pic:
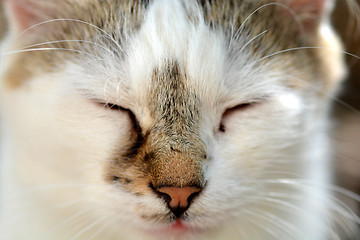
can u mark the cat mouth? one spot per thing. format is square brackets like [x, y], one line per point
[176, 229]
[179, 226]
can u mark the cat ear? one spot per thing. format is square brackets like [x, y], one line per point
[22, 14]
[309, 13]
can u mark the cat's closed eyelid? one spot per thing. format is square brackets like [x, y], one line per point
[114, 107]
[231, 110]
[118, 108]
[239, 107]
[110, 106]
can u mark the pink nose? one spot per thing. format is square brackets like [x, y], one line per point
[178, 199]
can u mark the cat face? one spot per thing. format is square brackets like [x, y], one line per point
[171, 117]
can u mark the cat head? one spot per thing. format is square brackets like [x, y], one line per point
[169, 110]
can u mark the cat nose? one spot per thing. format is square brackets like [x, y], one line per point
[178, 198]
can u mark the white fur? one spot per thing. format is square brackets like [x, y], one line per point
[266, 176]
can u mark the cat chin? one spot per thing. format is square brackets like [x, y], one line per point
[177, 229]
[191, 230]
[187, 228]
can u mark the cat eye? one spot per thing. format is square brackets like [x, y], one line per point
[118, 108]
[228, 112]
[114, 107]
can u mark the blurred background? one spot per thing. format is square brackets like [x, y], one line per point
[346, 110]
[347, 107]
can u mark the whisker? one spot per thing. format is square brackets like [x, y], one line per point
[285, 206]
[335, 208]
[337, 205]
[81, 232]
[66, 222]
[101, 229]
[51, 49]
[36, 213]
[306, 48]
[307, 183]
[271, 225]
[253, 39]
[73, 20]
[285, 227]
[296, 17]
[42, 188]
[105, 88]
[64, 41]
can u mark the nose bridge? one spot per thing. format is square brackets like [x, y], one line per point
[176, 163]
[175, 151]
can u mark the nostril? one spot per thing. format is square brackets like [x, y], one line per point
[192, 196]
[177, 198]
[164, 196]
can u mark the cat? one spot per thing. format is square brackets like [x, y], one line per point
[169, 119]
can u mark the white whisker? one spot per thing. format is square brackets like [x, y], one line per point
[65, 41]
[87, 228]
[42, 188]
[295, 16]
[286, 227]
[306, 48]
[37, 213]
[73, 20]
[51, 49]
[303, 182]
[101, 229]
[253, 39]
[271, 226]
[66, 222]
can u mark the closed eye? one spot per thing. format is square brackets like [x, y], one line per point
[114, 107]
[117, 108]
[230, 111]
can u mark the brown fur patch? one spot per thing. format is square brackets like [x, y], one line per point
[285, 23]
[109, 23]
[177, 152]
[118, 20]
[269, 27]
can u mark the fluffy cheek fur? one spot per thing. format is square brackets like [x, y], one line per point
[65, 145]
